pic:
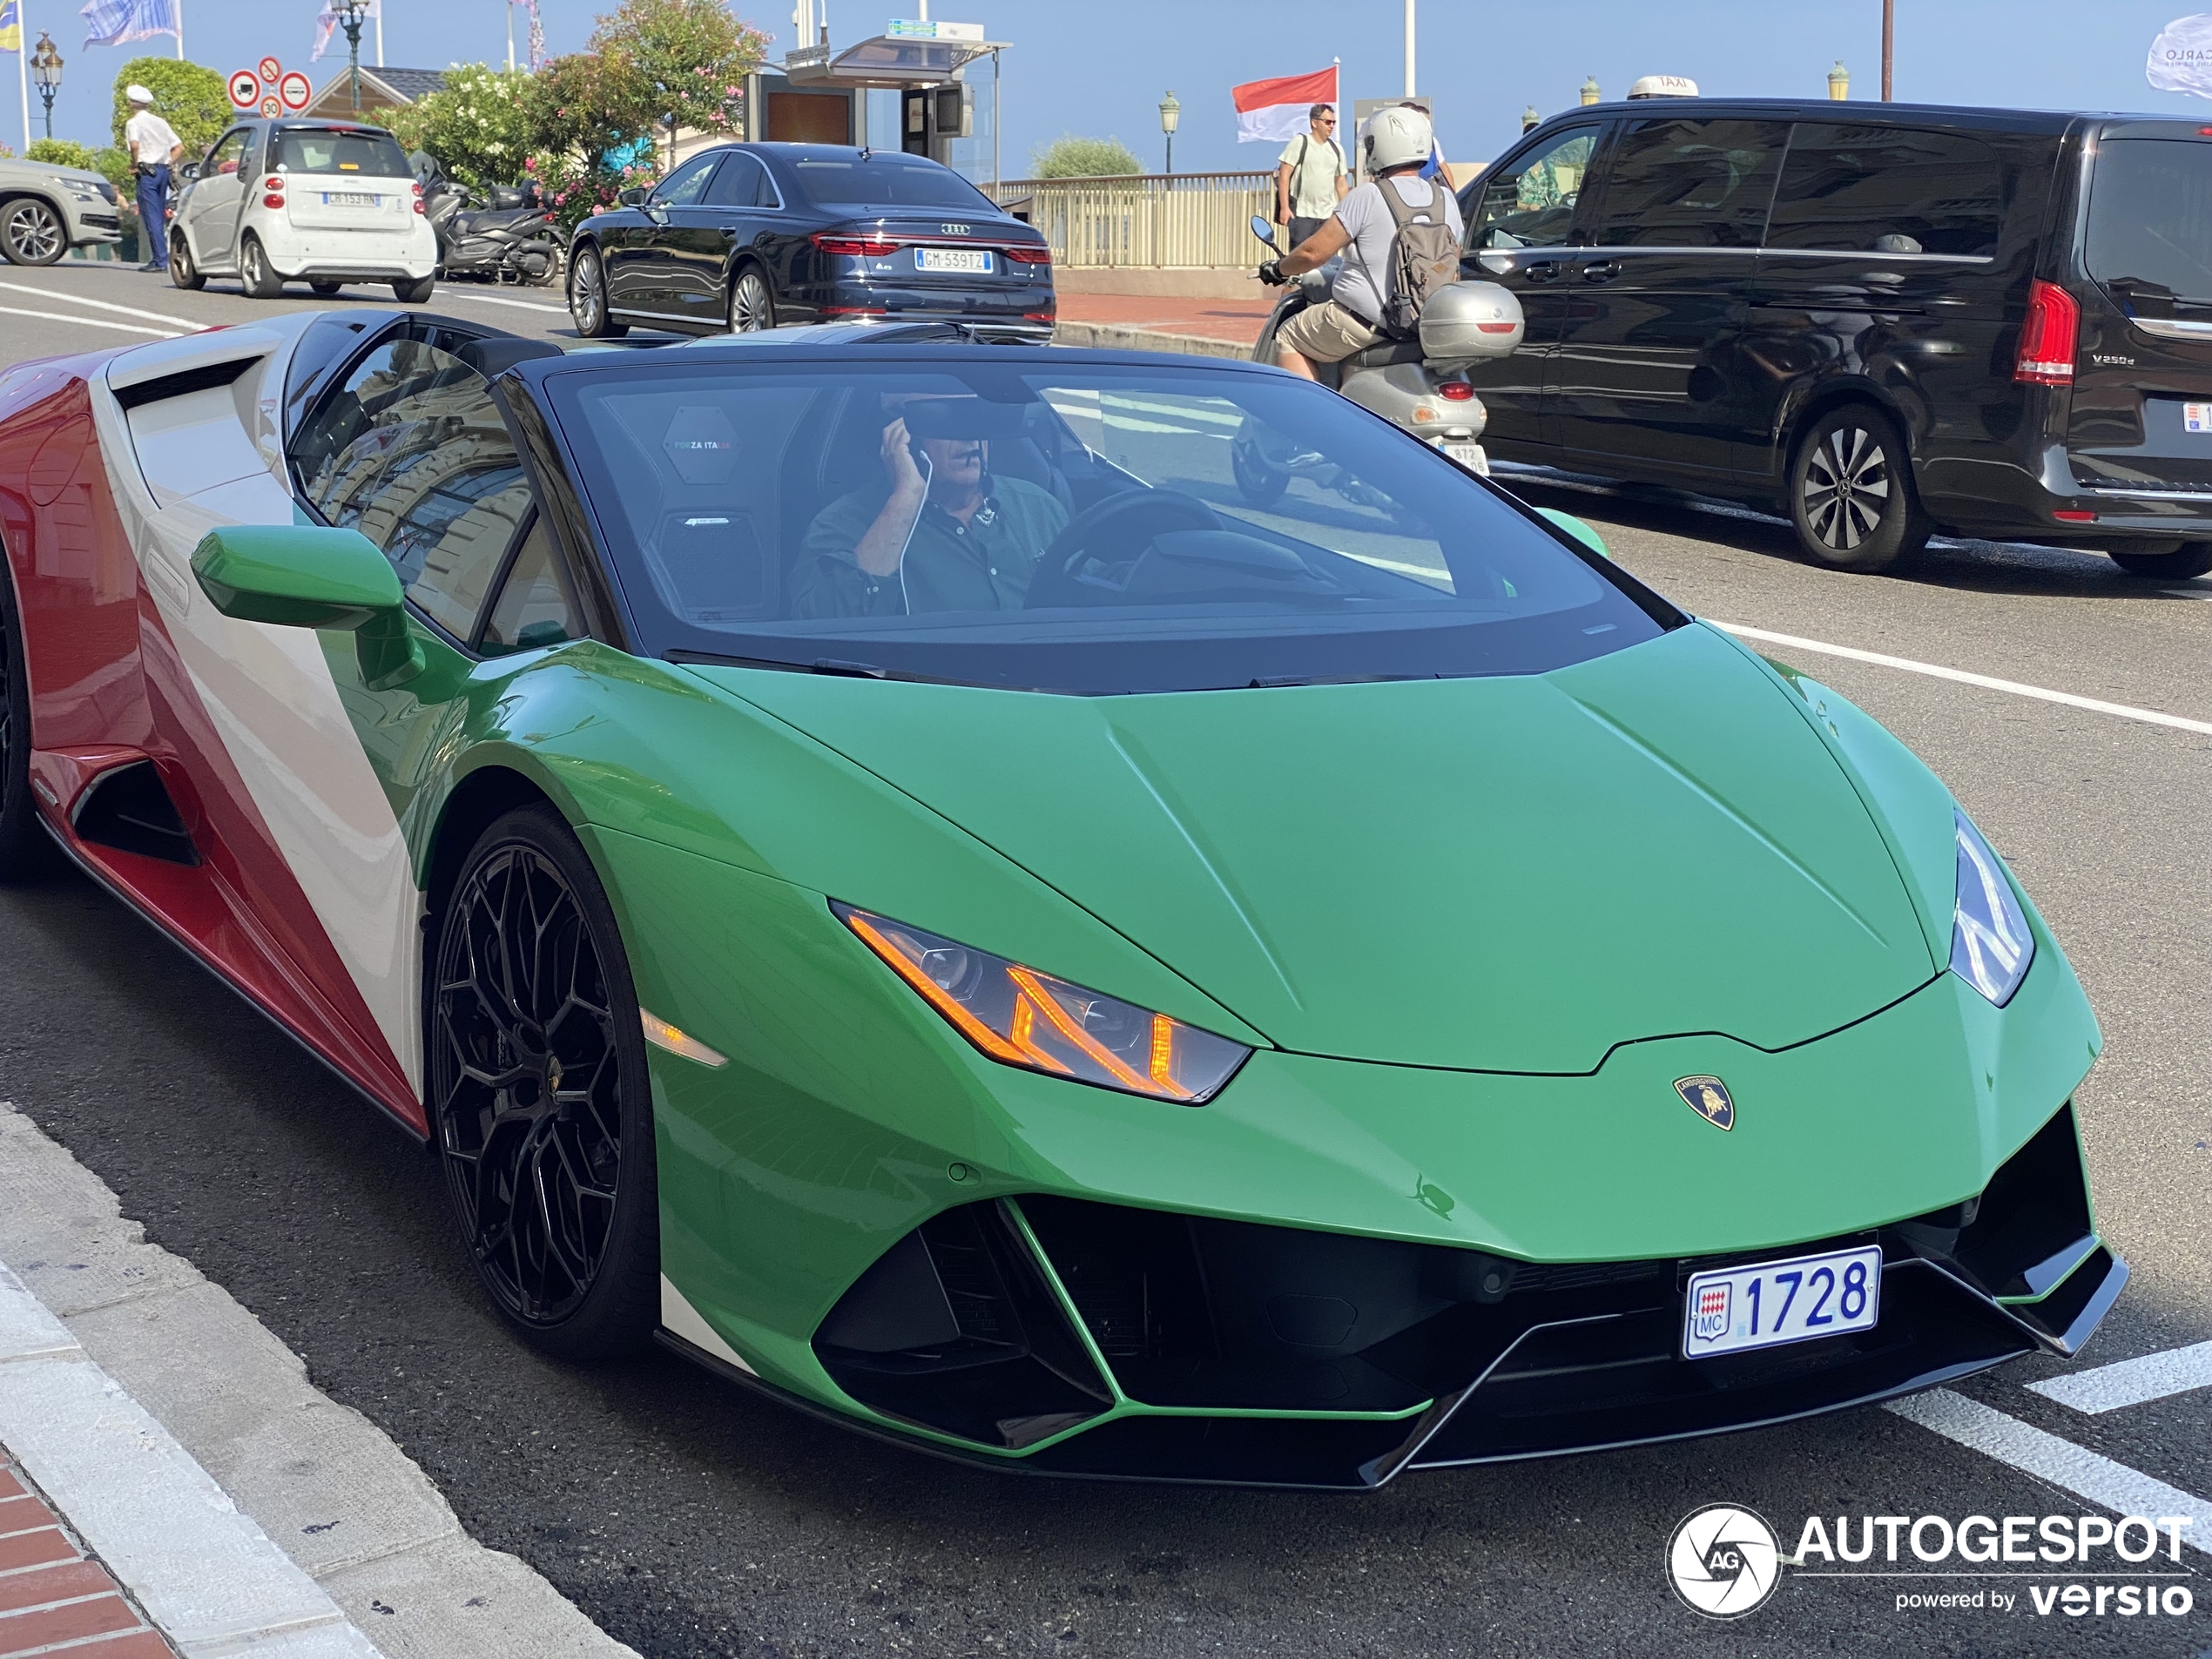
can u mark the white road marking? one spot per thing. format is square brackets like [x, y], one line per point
[452, 292]
[2153, 717]
[90, 323]
[67, 298]
[2084, 1473]
[205, 1574]
[2130, 1382]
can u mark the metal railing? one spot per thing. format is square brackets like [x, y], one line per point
[1150, 219]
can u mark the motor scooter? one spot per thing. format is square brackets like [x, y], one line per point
[512, 239]
[1420, 386]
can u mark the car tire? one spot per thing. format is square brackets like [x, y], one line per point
[416, 292]
[256, 273]
[752, 307]
[1850, 493]
[552, 1180]
[25, 850]
[588, 297]
[32, 232]
[326, 289]
[183, 270]
[2193, 559]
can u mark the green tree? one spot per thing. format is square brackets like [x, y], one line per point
[478, 125]
[1070, 157]
[60, 152]
[191, 97]
[676, 63]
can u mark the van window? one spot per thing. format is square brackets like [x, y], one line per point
[365, 151]
[2150, 225]
[1691, 184]
[1532, 205]
[1889, 190]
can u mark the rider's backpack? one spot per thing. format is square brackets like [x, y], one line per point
[1424, 257]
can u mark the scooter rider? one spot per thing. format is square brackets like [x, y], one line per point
[1395, 146]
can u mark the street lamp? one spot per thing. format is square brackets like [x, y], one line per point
[1839, 81]
[1530, 120]
[351, 13]
[1590, 92]
[1171, 113]
[46, 69]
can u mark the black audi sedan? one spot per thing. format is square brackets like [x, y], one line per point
[747, 236]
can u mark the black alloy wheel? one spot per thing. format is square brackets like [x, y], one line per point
[32, 232]
[2190, 559]
[183, 270]
[538, 1095]
[1850, 493]
[751, 307]
[24, 850]
[588, 297]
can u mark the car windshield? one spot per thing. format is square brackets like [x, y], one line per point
[343, 149]
[2150, 222]
[887, 181]
[1067, 526]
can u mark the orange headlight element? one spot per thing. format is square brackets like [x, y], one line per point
[1020, 1016]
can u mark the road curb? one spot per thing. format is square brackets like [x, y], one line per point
[1122, 337]
[115, 1353]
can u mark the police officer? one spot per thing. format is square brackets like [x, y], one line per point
[154, 150]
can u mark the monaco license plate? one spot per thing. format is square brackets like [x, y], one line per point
[1764, 1304]
[348, 199]
[1469, 456]
[2196, 417]
[970, 260]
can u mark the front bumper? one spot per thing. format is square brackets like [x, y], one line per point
[1093, 1340]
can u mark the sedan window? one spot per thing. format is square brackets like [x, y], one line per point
[684, 186]
[224, 159]
[743, 182]
[887, 181]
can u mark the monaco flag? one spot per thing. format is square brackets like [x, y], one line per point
[1276, 109]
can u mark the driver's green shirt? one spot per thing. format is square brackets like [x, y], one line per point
[982, 565]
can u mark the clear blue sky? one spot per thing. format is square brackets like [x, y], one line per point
[1101, 68]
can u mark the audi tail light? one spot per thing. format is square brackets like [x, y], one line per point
[868, 246]
[2048, 335]
[1022, 253]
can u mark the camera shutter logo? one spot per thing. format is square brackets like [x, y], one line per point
[1724, 1561]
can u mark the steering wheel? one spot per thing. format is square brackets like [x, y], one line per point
[1132, 516]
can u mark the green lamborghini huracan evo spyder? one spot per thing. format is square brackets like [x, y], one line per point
[1099, 913]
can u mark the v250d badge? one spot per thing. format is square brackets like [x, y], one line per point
[817, 834]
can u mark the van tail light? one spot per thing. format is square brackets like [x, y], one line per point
[1022, 254]
[2048, 337]
[871, 246]
[271, 201]
[274, 181]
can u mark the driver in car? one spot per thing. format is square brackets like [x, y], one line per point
[945, 536]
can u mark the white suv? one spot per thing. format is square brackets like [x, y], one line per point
[46, 211]
[321, 202]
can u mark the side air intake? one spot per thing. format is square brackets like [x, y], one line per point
[129, 810]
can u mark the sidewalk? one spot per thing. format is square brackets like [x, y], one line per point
[53, 1594]
[1203, 327]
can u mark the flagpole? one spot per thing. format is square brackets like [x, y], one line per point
[22, 72]
[180, 30]
[380, 34]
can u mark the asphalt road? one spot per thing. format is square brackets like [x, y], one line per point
[689, 1519]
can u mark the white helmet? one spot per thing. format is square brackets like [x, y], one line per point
[137, 94]
[1395, 136]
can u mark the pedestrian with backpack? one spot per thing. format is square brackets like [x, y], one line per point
[1311, 177]
[1401, 233]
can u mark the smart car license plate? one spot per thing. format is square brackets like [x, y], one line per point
[2196, 417]
[1470, 456]
[1768, 1304]
[348, 199]
[971, 260]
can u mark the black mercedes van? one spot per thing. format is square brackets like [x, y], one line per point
[1786, 303]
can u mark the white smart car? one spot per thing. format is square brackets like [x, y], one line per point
[321, 202]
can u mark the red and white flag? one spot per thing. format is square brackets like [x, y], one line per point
[1275, 111]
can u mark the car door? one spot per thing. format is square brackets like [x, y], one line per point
[1650, 370]
[1523, 218]
[643, 277]
[730, 222]
[213, 208]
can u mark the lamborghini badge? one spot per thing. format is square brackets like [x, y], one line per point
[1708, 1098]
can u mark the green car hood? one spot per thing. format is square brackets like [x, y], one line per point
[1501, 875]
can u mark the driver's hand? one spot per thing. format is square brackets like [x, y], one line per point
[898, 462]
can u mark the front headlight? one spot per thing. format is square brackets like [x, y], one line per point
[1021, 1017]
[1990, 945]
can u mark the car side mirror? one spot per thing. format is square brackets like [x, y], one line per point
[633, 197]
[189, 171]
[1579, 530]
[303, 575]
